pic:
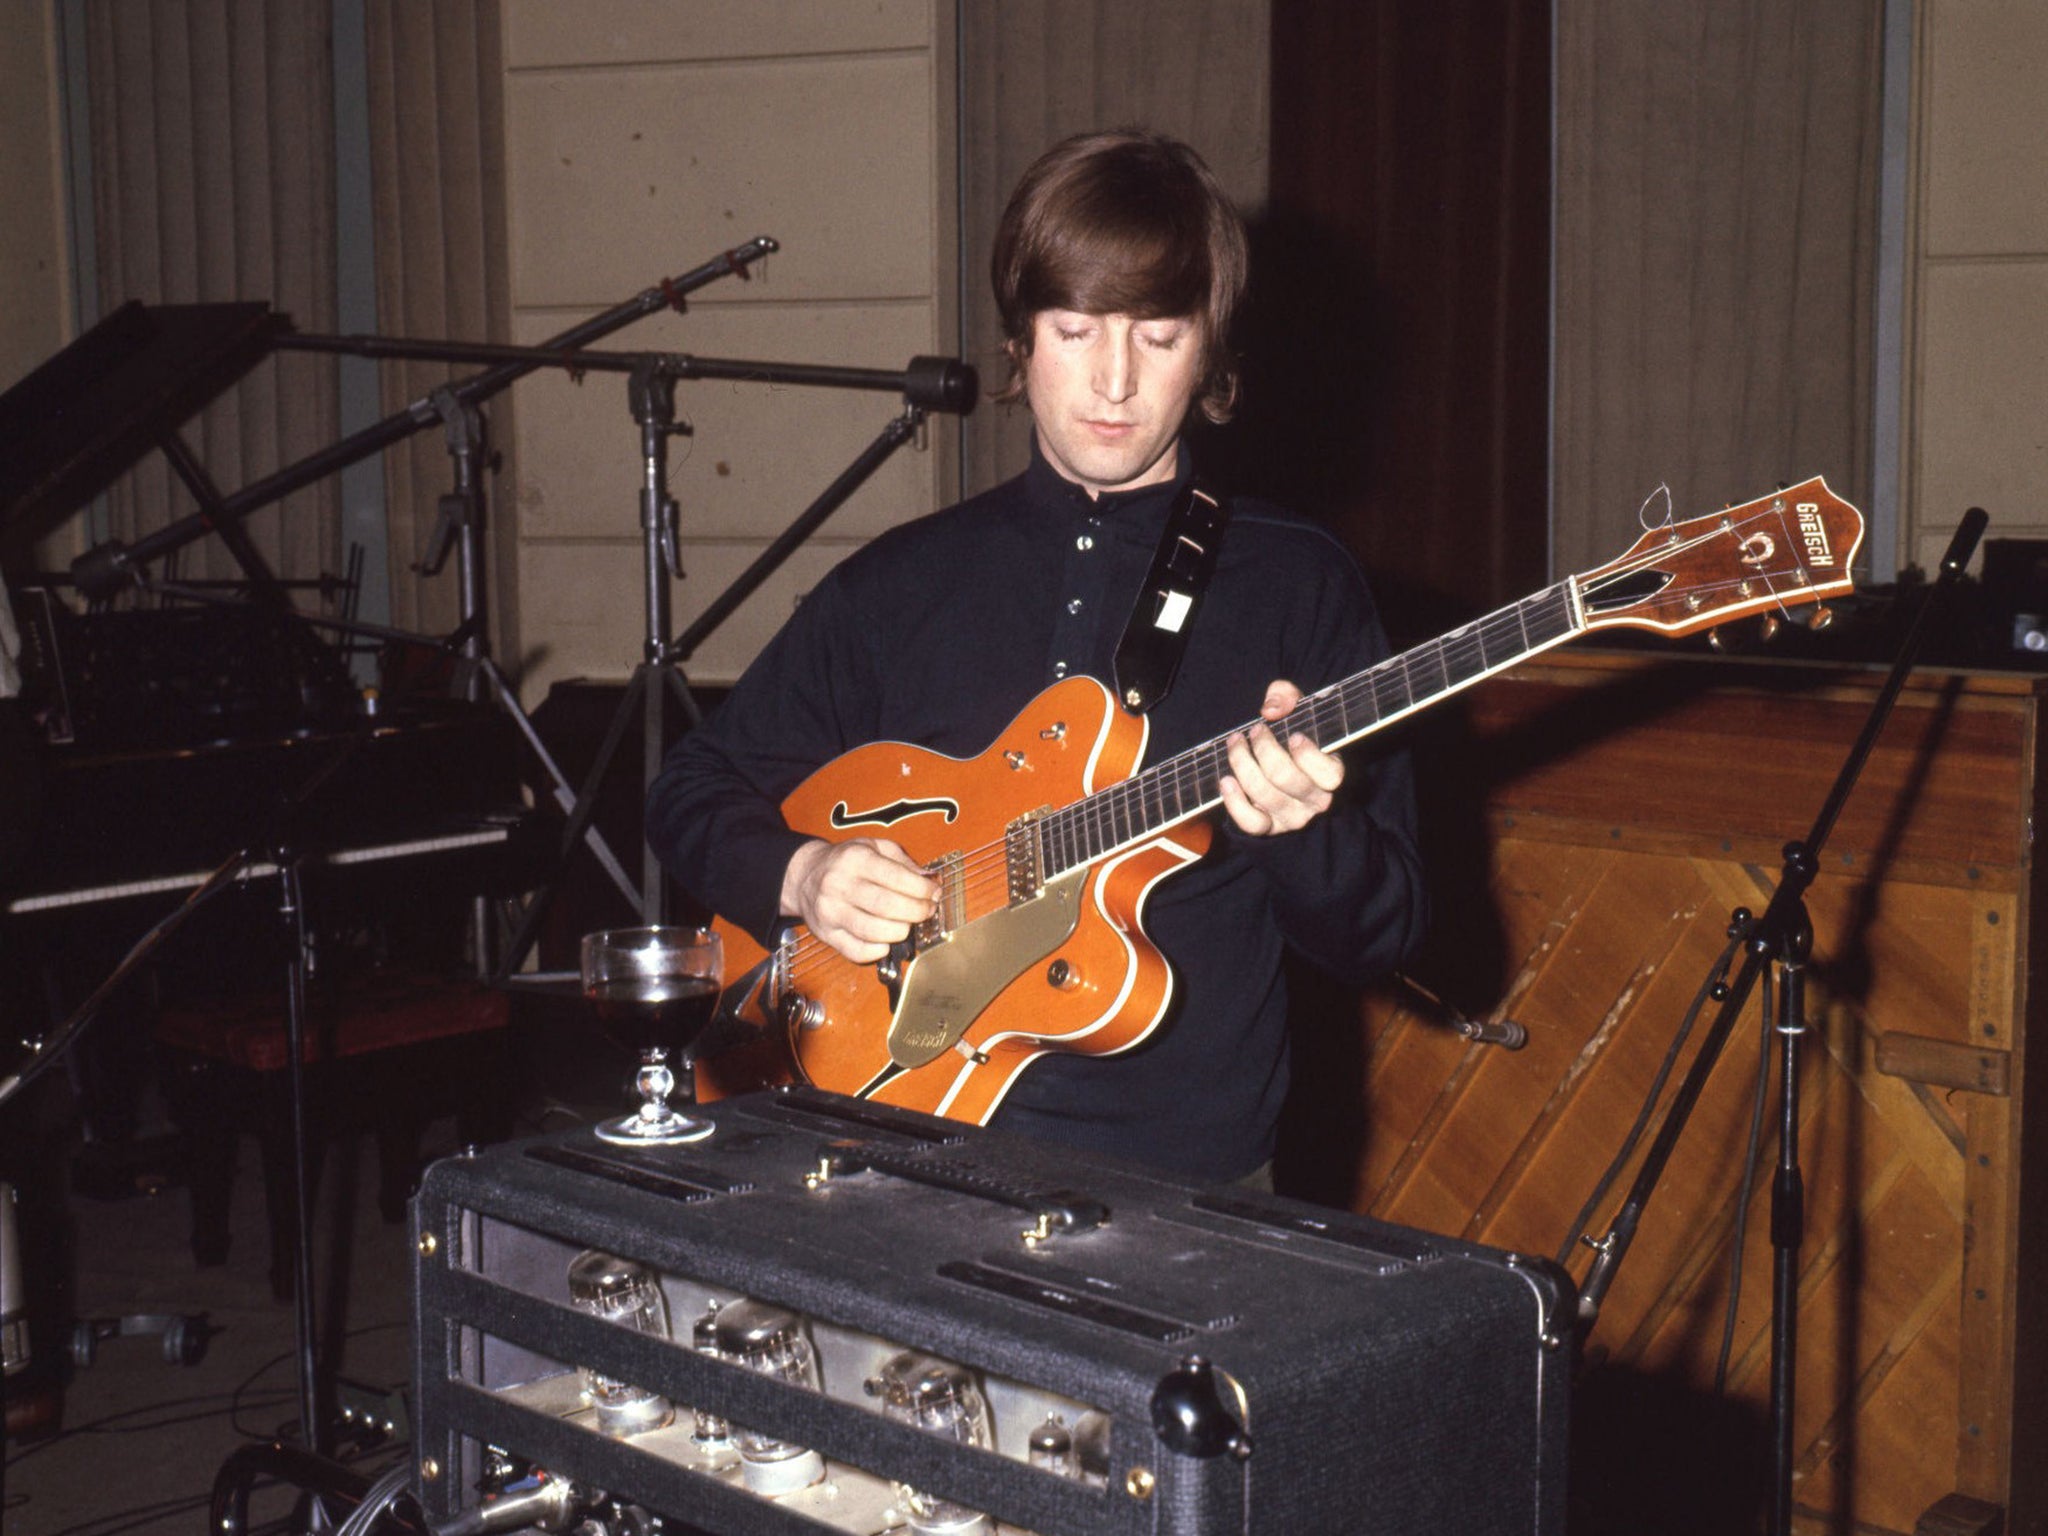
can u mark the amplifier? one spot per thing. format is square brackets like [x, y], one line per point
[835, 1315]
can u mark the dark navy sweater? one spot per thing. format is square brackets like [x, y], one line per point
[939, 632]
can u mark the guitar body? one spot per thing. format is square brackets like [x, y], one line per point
[1046, 845]
[1066, 969]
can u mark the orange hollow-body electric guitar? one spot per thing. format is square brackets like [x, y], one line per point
[1045, 845]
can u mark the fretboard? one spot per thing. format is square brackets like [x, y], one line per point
[1186, 785]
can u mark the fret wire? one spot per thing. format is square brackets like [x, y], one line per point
[1187, 783]
[1440, 656]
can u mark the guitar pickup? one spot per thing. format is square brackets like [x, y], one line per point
[949, 912]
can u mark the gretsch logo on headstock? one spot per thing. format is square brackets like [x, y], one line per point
[1814, 534]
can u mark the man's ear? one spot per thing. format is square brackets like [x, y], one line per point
[1018, 352]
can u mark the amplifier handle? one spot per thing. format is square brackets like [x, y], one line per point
[1051, 1210]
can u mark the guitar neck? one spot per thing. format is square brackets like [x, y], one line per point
[1186, 785]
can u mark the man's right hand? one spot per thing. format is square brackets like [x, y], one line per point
[860, 897]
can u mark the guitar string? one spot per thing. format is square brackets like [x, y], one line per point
[1140, 806]
[1083, 821]
[1083, 826]
[1137, 802]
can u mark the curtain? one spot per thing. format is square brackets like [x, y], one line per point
[211, 124]
[438, 176]
[1397, 376]
[1716, 239]
[1035, 71]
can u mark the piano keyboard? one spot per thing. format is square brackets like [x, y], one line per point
[259, 870]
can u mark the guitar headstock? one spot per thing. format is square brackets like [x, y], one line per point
[1780, 551]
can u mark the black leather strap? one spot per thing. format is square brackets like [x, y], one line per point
[1156, 636]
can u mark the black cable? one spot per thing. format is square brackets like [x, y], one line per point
[132, 1519]
[1749, 1166]
[236, 1400]
[117, 1522]
[1711, 989]
[276, 1360]
[100, 1425]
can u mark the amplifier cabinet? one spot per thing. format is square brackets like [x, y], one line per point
[1140, 1355]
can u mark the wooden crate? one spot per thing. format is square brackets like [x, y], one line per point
[1594, 819]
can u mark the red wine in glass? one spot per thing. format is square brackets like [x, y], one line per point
[667, 1014]
[653, 990]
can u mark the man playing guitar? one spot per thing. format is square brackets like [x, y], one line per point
[1117, 267]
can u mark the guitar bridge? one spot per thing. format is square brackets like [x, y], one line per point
[1021, 856]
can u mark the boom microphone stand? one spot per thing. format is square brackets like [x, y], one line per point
[106, 568]
[1782, 936]
[926, 384]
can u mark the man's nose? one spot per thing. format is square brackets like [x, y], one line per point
[1116, 369]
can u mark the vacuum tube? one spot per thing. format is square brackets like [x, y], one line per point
[941, 1399]
[628, 1293]
[772, 1341]
[712, 1435]
[1091, 1448]
[1052, 1446]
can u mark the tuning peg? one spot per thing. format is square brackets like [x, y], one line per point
[1767, 627]
[1714, 640]
[1823, 616]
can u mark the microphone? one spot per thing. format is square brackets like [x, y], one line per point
[550, 1503]
[941, 384]
[929, 383]
[1505, 1033]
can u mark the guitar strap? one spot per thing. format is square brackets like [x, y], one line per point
[1156, 636]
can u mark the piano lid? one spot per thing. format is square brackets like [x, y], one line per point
[75, 424]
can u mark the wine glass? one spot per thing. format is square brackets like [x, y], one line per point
[653, 990]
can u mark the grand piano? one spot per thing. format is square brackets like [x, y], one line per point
[157, 739]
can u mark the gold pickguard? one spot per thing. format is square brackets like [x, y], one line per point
[946, 988]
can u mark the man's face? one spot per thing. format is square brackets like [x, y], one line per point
[1109, 394]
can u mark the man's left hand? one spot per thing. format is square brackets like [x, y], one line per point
[1274, 788]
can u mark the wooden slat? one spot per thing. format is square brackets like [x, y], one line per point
[1939, 1064]
[1982, 1428]
[1618, 810]
[1665, 753]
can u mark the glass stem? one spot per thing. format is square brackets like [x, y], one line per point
[656, 1084]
